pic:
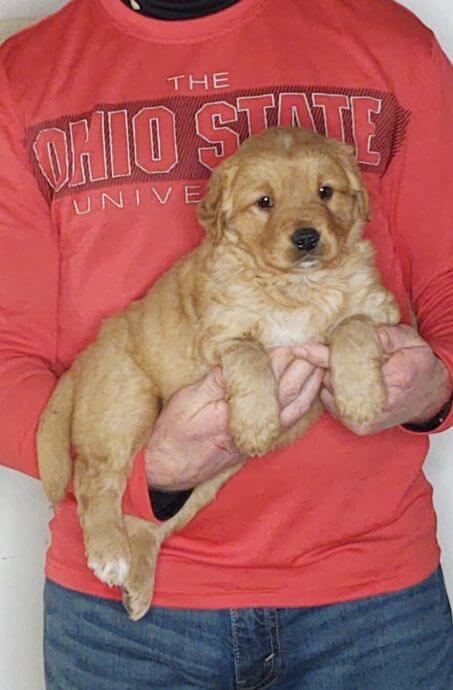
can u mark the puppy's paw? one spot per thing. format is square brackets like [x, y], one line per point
[136, 602]
[145, 539]
[112, 569]
[254, 423]
[360, 399]
[110, 560]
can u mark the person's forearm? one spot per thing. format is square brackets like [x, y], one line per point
[439, 407]
[25, 386]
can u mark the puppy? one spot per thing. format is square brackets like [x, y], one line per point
[283, 263]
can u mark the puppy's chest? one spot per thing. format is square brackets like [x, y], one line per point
[284, 328]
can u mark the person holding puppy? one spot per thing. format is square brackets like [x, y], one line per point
[318, 566]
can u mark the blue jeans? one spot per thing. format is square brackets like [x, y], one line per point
[399, 641]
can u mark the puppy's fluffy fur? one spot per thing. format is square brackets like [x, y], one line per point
[245, 289]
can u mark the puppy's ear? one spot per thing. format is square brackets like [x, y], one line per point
[215, 209]
[360, 194]
[351, 168]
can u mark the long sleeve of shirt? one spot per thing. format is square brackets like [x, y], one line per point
[422, 204]
[29, 267]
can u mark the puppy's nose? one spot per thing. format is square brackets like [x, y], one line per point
[305, 239]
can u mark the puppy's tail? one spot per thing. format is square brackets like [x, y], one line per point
[54, 440]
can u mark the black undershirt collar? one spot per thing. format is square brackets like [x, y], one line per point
[178, 9]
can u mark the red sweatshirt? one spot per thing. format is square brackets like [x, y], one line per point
[110, 124]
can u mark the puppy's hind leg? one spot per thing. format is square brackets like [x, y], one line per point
[99, 493]
[145, 540]
[116, 410]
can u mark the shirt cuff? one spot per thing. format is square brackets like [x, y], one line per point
[166, 504]
[432, 424]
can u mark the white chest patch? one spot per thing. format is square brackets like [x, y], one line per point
[288, 329]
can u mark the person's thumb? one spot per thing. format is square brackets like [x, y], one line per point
[210, 388]
[395, 338]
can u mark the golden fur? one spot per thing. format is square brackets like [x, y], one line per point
[245, 289]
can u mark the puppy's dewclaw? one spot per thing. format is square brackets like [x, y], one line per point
[283, 263]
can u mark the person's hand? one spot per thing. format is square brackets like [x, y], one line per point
[190, 442]
[417, 382]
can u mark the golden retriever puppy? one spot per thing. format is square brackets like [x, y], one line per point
[283, 263]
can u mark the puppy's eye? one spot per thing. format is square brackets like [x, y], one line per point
[265, 202]
[325, 192]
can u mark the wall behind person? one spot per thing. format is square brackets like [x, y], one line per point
[23, 510]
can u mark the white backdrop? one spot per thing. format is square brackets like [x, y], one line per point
[23, 510]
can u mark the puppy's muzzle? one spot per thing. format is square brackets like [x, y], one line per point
[305, 239]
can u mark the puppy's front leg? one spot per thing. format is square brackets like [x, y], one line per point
[252, 395]
[356, 360]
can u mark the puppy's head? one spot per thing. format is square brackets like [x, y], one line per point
[291, 198]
